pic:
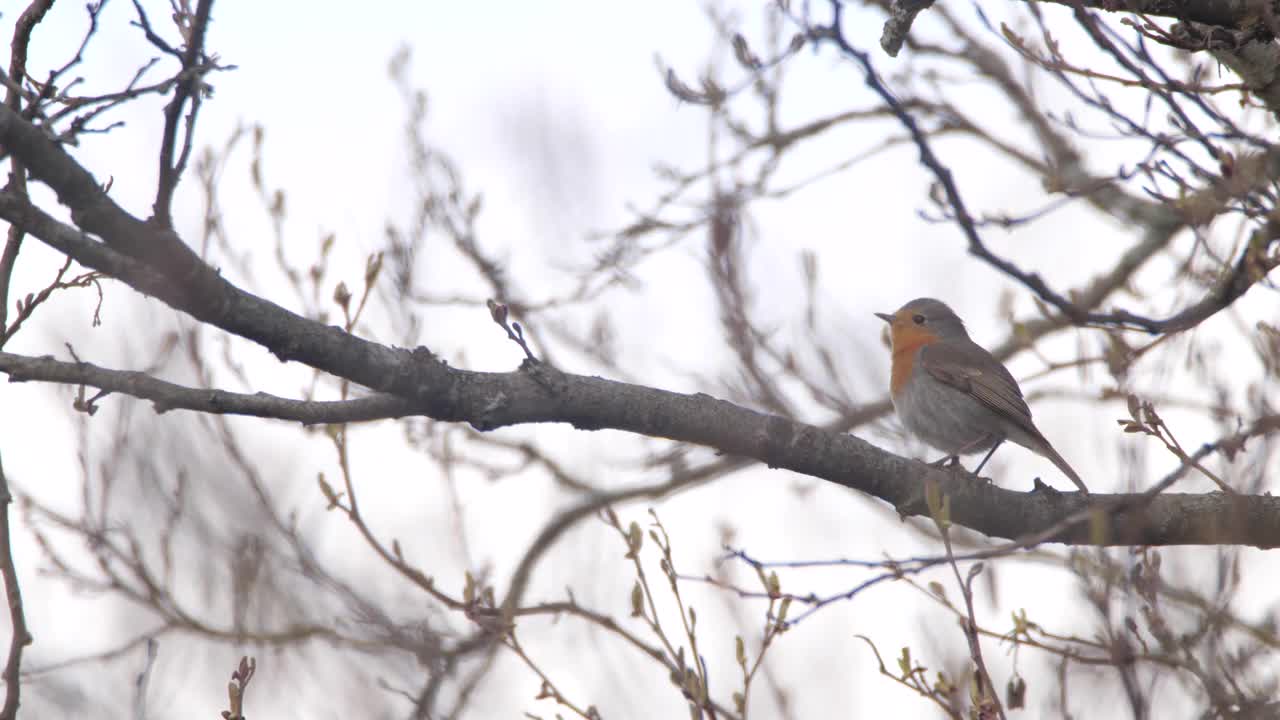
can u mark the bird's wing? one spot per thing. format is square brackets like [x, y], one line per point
[968, 368]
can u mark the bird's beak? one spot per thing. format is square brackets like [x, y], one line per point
[884, 316]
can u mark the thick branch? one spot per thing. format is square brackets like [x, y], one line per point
[1230, 14]
[91, 208]
[901, 14]
[539, 393]
[1258, 64]
[1239, 14]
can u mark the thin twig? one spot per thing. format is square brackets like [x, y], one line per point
[190, 87]
[143, 680]
[166, 396]
[21, 636]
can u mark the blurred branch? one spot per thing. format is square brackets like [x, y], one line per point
[726, 264]
[143, 680]
[21, 636]
[123, 649]
[392, 554]
[125, 571]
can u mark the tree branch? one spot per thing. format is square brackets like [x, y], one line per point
[21, 636]
[91, 208]
[166, 396]
[537, 393]
[901, 14]
[1258, 64]
[22, 30]
[188, 88]
[540, 393]
[1229, 14]
[1254, 263]
[1240, 14]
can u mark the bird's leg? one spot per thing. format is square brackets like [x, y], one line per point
[953, 460]
[990, 452]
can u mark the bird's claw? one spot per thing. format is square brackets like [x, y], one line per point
[946, 462]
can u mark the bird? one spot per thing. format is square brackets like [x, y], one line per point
[953, 394]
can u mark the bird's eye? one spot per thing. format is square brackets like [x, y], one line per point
[918, 319]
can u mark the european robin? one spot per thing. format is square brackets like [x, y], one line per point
[952, 393]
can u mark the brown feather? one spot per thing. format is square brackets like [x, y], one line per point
[968, 368]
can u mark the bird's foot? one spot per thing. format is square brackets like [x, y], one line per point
[947, 461]
[952, 464]
[1039, 486]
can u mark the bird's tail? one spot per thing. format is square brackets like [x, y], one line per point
[1047, 450]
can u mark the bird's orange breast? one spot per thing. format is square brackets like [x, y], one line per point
[906, 341]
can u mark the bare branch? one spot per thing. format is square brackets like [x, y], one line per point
[901, 14]
[190, 87]
[1256, 63]
[143, 680]
[1224, 13]
[1252, 266]
[21, 636]
[166, 396]
[542, 394]
[27, 22]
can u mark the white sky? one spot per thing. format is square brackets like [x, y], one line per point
[512, 87]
